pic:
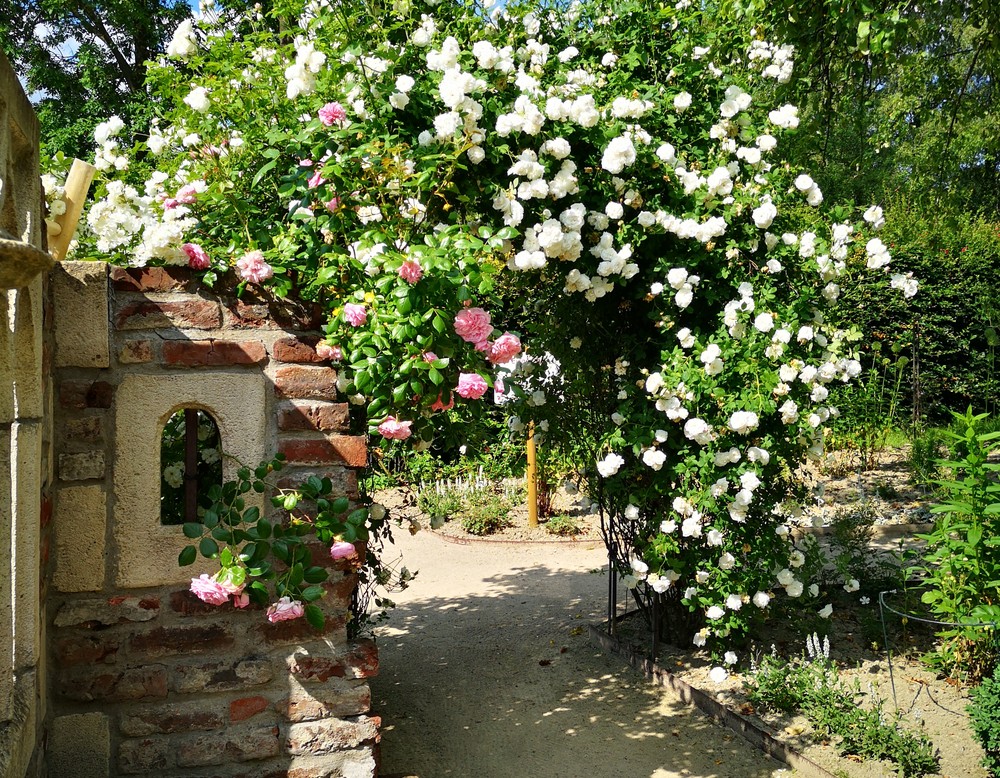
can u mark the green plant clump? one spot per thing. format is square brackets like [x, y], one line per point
[486, 517]
[984, 715]
[961, 566]
[440, 506]
[563, 525]
[812, 687]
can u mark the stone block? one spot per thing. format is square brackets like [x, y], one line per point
[145, 756]
[350, 450]
[170, 641]
[222, 676]
[328, 735]
[153, 279]
[89, 429]
[146, 549]
[135, 352]
[244, 708]
[86, 466]
[334, 698]
[137, 683]
[101, 612]
[356, 763]
[196, 313]
[212, 353]
[80, 308]
[79, 526]
[308, 416]
[79, 745]
[300, 350]
[360, 660]
[81, 394]
[297, 382]
[86, 649]
[162, 719]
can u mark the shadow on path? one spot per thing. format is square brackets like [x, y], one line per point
[486, 672]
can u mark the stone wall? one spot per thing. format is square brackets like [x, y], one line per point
[25, 432]
[145, 678]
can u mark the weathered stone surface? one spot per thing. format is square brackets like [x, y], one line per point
[144, 757]
[359, 661]
[159, 314]
[137, 683]
[153, 279]
[135, 352]
[247, 707]
[79, 745]
[222, 676]
[89, 429]
[327, 735]
[86, 649]
[305, 383]
[77, 395]
[169, 641]
[234, 745]
[82, 467]
[177, 717]
[297, 350]
[321, 701]
[105, 612]
[80, 301]
[308, 416]
[79, 525]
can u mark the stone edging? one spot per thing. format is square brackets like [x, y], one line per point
[683, 691]
[472, 539]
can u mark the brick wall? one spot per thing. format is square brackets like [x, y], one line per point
[146, 679]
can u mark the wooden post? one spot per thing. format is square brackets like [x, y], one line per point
[77, 185]
[532, 476]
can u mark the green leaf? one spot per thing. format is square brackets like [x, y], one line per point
[187, 556]
[209, 548]
[315, 575]
[312, 593]
[192, 530]
[315, 617]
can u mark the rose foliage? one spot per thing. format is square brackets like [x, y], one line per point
[615, 168]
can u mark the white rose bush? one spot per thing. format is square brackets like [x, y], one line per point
[606, 180]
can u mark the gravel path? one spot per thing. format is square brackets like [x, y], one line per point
[486, 672]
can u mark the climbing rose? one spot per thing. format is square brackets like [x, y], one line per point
[285, 609]
[326, 351]
[341, 549]
[355, 314]
[473, 325]
[471, 386]
[410, 271]
[316, 179]
[504, 349]
[253, 268]
[209, 590]
[331, 113]
[391, 429]
[197, 258]
[332, 204]
[438, 404]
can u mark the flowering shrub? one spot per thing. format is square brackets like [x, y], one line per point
[615, 167]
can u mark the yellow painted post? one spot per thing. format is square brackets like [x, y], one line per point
[77, 185]
[532, 476]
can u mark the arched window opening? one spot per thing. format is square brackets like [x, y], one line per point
[190, 465]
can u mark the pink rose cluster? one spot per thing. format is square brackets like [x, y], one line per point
[355, 314]
[331, 113]
[471, 386]
[285, 609]
[216, 592]
[325, 351]
[253, 268]
[410, 271]
[341, 549]
[197, 257]
[473, 326]
[393, 429]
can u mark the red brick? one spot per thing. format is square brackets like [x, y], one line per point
[296, 382]
[148, 314]
[222, 676]
[153, 279]
[350, 450]
[142, 757]
[135, 684]
[166, 641]
[321, 701]
[328, 735]
[135, 352]
[300, 631]
[210, 353]
[101, 612]
[234, 745]
[247, 707]
[325, 417]
[166, 719]
[86, 649]
[345, 481]
[298, 350]
[45, 513]
[360, 661]
[86, 394]
[186, 604]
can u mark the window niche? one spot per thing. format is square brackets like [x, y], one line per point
[190, 465]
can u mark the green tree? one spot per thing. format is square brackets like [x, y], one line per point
[86, 59]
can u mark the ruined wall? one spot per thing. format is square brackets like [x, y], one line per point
[145, 678]
[25, 432]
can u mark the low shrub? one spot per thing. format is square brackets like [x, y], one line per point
[487, 516]
[563, 525]
[984, 715]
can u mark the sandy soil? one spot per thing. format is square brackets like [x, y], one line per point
[486, 672]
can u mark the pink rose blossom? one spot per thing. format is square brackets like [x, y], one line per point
[391, 429]
[253, 268]
[473, 325]
[305, 163]
[207, 589]
[170, 202]
[504, 349]
[332, 204]
[325, 351]
[471, 386]
[316, 179]
[285, 609]
[241, 600]
[355, 314]
[341, 549]
[438, 404]
[197, 258]
[187, 194]
[331, 113]
[430, 356]
[410, 271]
